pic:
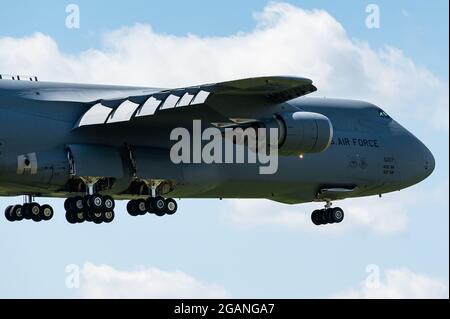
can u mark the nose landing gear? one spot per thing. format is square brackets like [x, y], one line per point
[327, 215]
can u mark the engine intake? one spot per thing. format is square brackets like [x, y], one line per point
[302, 132]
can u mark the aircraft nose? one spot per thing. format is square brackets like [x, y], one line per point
[417, 161]
[430, 163]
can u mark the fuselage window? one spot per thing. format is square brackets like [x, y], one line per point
[383, 114]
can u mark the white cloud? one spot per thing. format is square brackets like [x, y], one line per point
[382, 216]
[285, 40]
[106, 282]
[400, 283]
[365, 214]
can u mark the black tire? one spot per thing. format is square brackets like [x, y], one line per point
[149, 203]
[46, 212]
[171, 206]
[337, 215]
[108, 216]
[26, 211]
[141, 207]
[109, 203]
[324, 216]
[16, 212]
[86, 201]
[89, 216]
[329, 216]
[97, 217]
[70, 217]
[34, 210]
[80, 217]
[76, 204]
[316, 217]
[159, 204]
[96, 202]
[8, 215]
[68, 204]
[132, 208]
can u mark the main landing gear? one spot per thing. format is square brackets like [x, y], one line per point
[327, 215]
[152, 205]
[29, 210]
[90, 208]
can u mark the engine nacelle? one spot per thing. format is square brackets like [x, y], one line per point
[302, 132]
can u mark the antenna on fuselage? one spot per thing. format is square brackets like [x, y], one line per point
[18, 77]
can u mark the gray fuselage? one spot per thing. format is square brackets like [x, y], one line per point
[370, 152]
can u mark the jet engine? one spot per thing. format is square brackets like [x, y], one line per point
[302, 132]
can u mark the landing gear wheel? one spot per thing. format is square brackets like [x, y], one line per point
[89, 216]
[171, 206]
[336, 215]
[150, 205]
[16, 212]
[79, 217]
[70, 217]
[34, 210]
[46, 212]
[37, 218]
[108, 216]
[324, 216]
[132, 208]
[8, 215]
[159, 204]
[25, 211]
[76, 204]
[316, 217]
[109, 203]
[86, 201]
[68, 204]
[97, 217]
[141, 207]
[96, 202]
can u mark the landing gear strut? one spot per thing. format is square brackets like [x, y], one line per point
[327, 215]
[29, 210]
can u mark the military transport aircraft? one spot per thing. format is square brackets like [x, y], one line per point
[94, 144]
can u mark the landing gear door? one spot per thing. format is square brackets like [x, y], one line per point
[156, 164]
[94, 161]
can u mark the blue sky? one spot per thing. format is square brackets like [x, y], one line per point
[420, 34]
[264, 259]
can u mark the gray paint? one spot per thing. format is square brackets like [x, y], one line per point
[39, 117]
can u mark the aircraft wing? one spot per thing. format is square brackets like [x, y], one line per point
[246, 93]
[274, 89]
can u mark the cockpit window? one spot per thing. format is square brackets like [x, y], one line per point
[383, 114]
